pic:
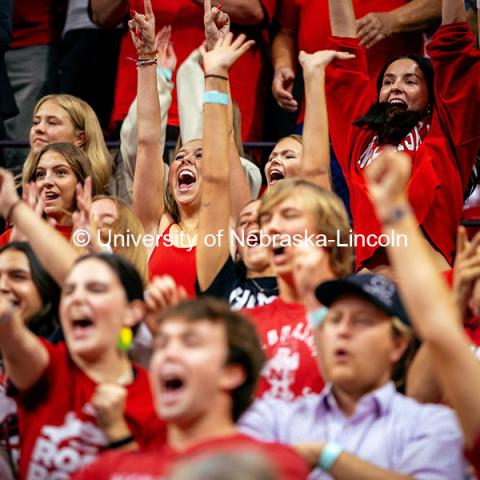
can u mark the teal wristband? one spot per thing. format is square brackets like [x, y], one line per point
[316, 317]
[166, 73]
[215, 97]
[330, 452]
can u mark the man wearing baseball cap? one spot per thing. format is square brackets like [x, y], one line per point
[359, 427]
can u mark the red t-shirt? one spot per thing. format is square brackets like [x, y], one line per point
[179, 263]
[66, 231]
[155, 464]
[247, 79]
[58, 431]
[441, 164]
[291, 369]
[34, 21]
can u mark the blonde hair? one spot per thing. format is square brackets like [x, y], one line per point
[293, 136]
[85, 120]
[127, 223]
[330, 215]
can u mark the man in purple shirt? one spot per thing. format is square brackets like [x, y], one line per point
[359, 427]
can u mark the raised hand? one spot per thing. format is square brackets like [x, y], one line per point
[162, 293]
[8, 192]
[225, 53]
[466, 271]
[37, 204]
[318, 61]
[166, 57]
[142, 28]
[216, 23]
[309, 266]
[375, 27]
[81, 217]
[282, 88]
[387, 179]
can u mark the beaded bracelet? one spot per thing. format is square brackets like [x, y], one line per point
[147, 55]
[144, 63]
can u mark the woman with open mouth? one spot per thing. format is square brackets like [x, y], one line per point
[427, 108]
[171, 213]
[83, 395]
[51, 178]
[34, 294]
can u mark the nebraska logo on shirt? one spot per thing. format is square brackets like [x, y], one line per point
[280, 372]
[61, 450]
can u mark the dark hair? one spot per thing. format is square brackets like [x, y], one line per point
[45, 322]
[125, 271]
[393, 122]
[244, 347]
[424, 64]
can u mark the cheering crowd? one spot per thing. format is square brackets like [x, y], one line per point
[192, 316]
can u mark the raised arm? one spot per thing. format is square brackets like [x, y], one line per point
[23, 354]
[215, 207]
[430, 304]
[422, 381]
[108, 13]
[52, 249]
[342, 18]
[316, 145]
[166, 62]
[284, 56]
[148, 186]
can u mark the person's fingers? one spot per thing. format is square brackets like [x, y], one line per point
[224, 18]
[369, 36]
[364, 28]
[148, 8]
[365, 20]
[378, 38]
[461, 239]
[182, 293]
[245, 47]
[289, 106]
[238, 41]
[207, 4]
[344, 55]
[280, 91]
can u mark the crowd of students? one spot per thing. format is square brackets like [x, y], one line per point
[168, 321]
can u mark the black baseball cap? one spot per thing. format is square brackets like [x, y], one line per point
[377, 289]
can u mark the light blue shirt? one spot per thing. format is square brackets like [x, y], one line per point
[387, 429]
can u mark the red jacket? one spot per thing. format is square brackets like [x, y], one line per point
[442, 163]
